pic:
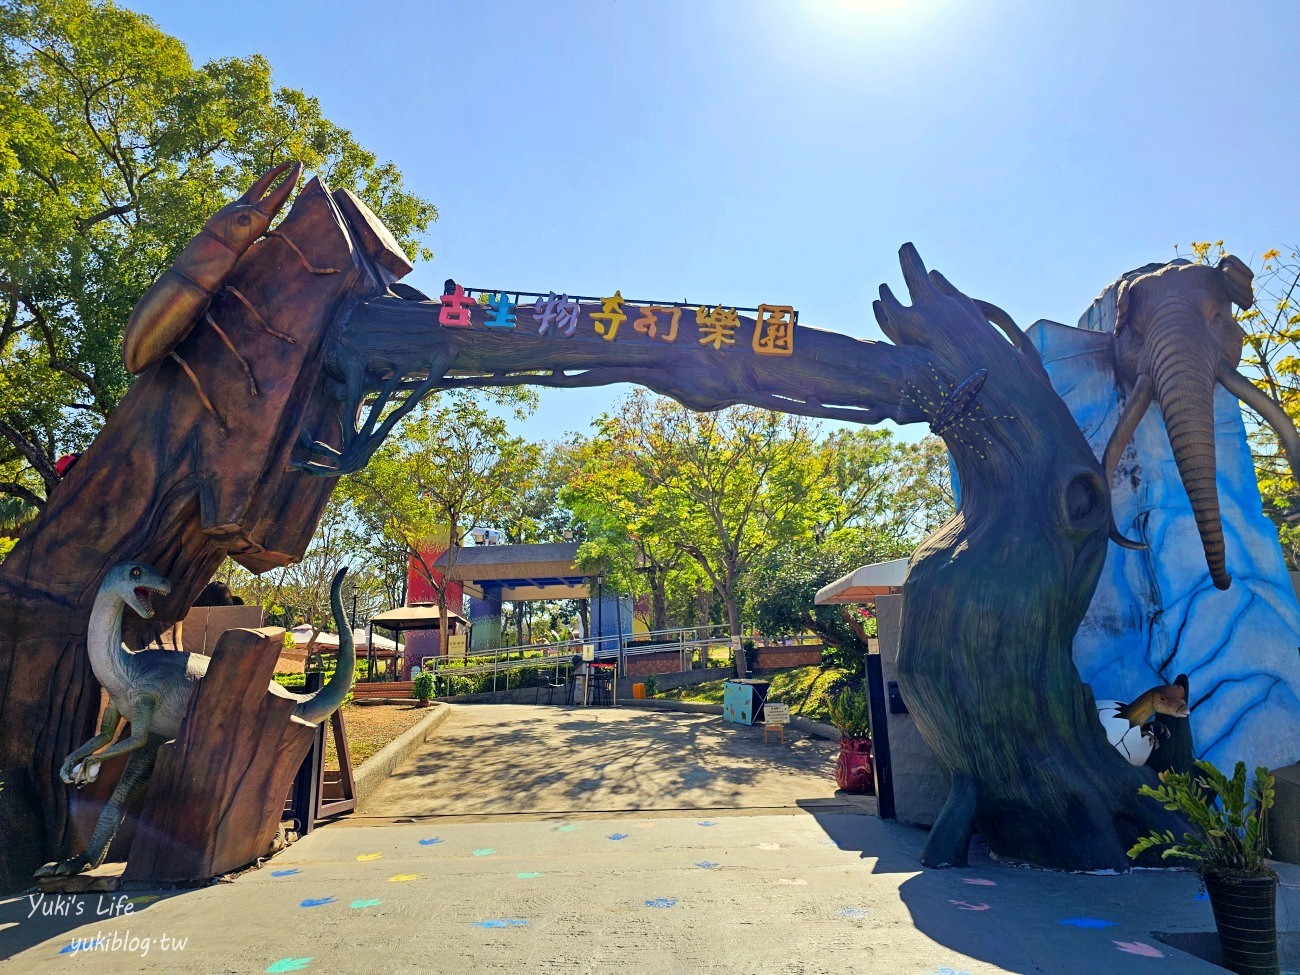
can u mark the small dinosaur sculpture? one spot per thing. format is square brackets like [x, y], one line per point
[151, 689]
[1170, 699]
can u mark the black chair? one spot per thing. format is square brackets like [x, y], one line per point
[602, 685]
[553, 682]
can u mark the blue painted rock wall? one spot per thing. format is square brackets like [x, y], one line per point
[1155, 613]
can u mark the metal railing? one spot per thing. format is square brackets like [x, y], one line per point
[501, 662]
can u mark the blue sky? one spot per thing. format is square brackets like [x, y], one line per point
[781, 151]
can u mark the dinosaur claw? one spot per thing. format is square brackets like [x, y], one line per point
[68, 868]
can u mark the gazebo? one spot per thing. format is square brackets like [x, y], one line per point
[422, 616]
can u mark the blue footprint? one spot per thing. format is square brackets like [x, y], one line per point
[662, 902]
[706, 865]
[1086, 922]
[316, 901]
[507, 922]
[284, 873]
[616, 836]
[430, 842]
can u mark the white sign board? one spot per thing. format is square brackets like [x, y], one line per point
[588, 651]
[776, 713]
[456, 643]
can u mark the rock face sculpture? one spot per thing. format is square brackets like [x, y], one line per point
[1157, 612]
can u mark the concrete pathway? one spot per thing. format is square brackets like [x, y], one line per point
[515, 760]
[811, 888]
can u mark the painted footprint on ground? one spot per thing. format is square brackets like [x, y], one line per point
[968, 906]
[401, 878]
[1086, 922]
[485, 851]
[1138, 948]
[501, 922]
[662, 902]
[371, 902]
[979, 882]
[707, 865]
[853, 913]
[529, 875]
[284, 873]
[365, 857]
[316, 901]
[616, 836]
[289, 965]
[430, 841]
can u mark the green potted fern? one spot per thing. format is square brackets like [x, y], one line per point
[422, 686]
[1227, 848]
[850, 713]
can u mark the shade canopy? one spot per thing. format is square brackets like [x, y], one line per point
[864, 584]
[422, 616]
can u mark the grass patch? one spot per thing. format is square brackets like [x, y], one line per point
[806, 689]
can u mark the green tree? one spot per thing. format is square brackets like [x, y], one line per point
[723, 489]
[888, 495]
[114, 150]
[450, 465]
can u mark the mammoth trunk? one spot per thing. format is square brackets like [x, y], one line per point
[1184, 388]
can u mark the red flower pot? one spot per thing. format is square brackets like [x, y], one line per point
[853, 771]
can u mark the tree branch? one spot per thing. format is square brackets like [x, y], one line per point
[40, 463]
[14, 489]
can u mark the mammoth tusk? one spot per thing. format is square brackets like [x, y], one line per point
[1254, 397]
[1134, 410]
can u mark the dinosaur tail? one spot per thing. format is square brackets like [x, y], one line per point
[326, 701]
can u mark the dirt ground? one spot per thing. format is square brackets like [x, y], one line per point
[370, 728]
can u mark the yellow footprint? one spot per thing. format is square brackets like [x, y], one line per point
[398, 878]
[369, 856]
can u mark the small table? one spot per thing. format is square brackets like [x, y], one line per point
[587, 673]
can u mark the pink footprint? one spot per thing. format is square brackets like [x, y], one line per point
[1138, 948]
[966, 906]
[979, 882]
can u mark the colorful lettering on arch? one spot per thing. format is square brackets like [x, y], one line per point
[501, 311]
[648, 323]
[610, 316]
[717, 327]
[455, 308]
[557, 311]
[774, 330]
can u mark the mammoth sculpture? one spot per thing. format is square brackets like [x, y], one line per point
[1175, 338]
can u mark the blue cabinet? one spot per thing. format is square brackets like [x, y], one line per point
[742, 700]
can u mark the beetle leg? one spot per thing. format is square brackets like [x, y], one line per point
[259, 319]
[252, 383]
[302, 258]
[203, 397]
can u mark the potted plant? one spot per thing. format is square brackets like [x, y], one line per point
[850, 713]
[651, 686]
[422, 686]
[1227, 848]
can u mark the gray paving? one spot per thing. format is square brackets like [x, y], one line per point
[808, 888]
[512, 760]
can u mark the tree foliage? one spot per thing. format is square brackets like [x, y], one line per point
[114, 150]
[720, 489]
[450, 465]
[887, 496]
